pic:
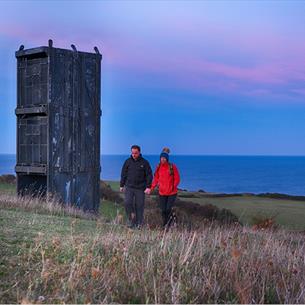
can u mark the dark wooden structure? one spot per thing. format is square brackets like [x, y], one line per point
[58, 124]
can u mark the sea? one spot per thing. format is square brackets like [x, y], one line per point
[220, 174]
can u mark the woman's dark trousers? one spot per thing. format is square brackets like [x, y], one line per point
[166, 204]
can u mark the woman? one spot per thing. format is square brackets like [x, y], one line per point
[167, 178]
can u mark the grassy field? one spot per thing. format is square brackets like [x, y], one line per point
[50, 255]
[286, 212]
[289, 214]
[54, 254]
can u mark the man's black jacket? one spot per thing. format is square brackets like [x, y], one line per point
[136, 173]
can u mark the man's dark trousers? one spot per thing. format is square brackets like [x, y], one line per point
[134, 204]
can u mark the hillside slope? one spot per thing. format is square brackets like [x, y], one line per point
[51, 255]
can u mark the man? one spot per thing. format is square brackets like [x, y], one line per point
[136, 178]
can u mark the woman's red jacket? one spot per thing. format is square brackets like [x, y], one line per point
[166, 179]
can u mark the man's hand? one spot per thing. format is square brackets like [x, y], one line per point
[147, 191]
[121, 189]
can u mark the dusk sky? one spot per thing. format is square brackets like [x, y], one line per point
[201, 77]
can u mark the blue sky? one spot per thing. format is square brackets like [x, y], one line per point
[209, 77]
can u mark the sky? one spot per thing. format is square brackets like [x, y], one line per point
[200, 77]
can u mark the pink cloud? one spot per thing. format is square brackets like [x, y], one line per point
[184, 68]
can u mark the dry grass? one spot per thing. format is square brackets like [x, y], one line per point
[62, 262]
[49, 205]
[212, 265]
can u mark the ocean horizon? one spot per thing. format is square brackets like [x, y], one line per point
[215, 173]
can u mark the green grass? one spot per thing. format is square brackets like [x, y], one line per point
[110, 210]
[6, 188]
[20, 226]
[115, 185]
[287, 213]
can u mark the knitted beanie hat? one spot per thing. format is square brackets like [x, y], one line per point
[165, 153]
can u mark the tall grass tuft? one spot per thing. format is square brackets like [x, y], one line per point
[50, 205]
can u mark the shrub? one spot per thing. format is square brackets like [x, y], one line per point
[10, 179]
[108, 193]
[263, 222]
